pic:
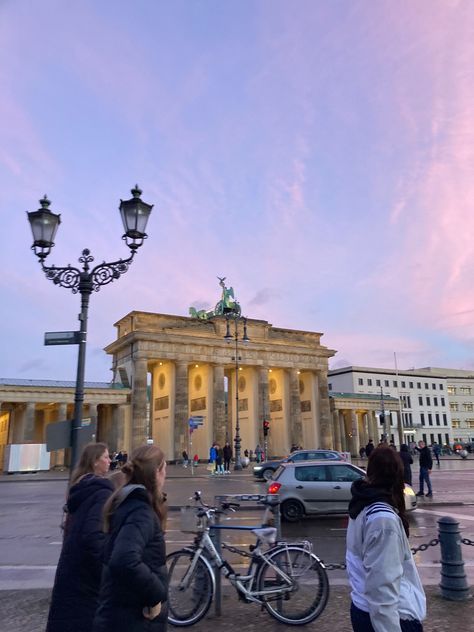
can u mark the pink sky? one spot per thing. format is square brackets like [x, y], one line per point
[317, 154]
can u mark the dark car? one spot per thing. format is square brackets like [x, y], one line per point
[265, 470]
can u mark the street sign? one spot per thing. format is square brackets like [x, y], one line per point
[58, 434]
[62, 338]
[196, 420]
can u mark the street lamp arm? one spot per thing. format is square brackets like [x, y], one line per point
[105, 273]
[68, 277]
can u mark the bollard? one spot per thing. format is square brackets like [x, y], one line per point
[453, 583]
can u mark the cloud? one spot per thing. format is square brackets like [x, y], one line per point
[264, 296]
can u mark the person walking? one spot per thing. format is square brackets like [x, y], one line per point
[426, 465]
[185, 456]
[227, 457]
[436, 451]
[76, 585]
[407, 461]
[213, 458]
[219, 460]
[369, 448]
[386, 591]
[134, 587]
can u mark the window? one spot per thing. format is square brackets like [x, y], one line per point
[408, 401]
[468, 406]
[418, 385]
[465, 390]
[435, 401]
[369, 382]
[420, 400]
[426, 386]
[445, 419]
[433, 386]
[452, 390]
[456, 423]
[437, 419]
[430, 419]
[470, 423]
[403, 384]
[454, 406]
[428, 401]
[422, 417]
[395, 384]
[377, 382]
[299, 456]
[361, 381]
[330, 386]
[310, 473]
[387, 383]
[442, 401]
[441, 387]
[411, 384]
[342, 473]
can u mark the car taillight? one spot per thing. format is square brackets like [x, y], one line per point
[274, 488]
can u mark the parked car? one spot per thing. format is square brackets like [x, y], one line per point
[266, 469]
[315, 487]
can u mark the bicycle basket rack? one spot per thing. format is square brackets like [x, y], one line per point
[190, 523]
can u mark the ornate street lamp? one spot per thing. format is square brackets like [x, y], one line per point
[44, 225]
[245, 339]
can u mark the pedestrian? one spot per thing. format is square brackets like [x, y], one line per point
[362, 452]
[407, 461]
[426, 465]
[392, 445]
[134, 587]
[436, 451]
[184, 454]
[196, 460]
[213, 458]
[387, 594]
[258, 453]
[76, 585]
[227, 457]
[219, 460]
[369, 448]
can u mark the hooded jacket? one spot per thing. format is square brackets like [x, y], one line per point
[77, 581]
[380, 566]
[135, 575]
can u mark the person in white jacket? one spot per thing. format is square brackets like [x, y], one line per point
[386, 591]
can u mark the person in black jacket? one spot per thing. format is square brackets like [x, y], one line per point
[227, 457]
[407, 460]
[369, 448]
[77, 581]
[134, 584]
[426, 465]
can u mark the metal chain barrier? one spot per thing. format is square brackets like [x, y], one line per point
[467, 541]
[424, 547]
[334, 567]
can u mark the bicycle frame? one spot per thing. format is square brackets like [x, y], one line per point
[206, 549]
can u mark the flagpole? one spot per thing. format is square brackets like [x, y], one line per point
[401, 437]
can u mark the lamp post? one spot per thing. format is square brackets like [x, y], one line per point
[383, 418]
[44, 225]
[245, 339]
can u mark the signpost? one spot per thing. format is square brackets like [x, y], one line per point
[62, 338]
[194, 422]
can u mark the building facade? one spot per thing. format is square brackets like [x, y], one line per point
[424, 410]
[178, 366]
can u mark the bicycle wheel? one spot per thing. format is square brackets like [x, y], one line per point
[189, 594]
[307, 596]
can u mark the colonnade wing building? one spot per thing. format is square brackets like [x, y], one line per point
[179, 366]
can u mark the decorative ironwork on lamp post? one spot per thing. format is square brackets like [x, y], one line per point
[44, 225]
[229, 337]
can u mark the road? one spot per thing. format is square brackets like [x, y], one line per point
[30, 537]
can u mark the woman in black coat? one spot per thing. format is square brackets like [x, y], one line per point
[77, 581]
[407, 460]
[134, 586]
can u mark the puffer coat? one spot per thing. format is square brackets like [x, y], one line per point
[135, 575]
[77, 582]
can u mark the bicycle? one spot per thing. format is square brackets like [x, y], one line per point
[287, 579]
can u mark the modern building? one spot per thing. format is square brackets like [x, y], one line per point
[422, 394]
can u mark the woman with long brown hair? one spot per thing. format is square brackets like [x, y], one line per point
[387, 594]
[76, 585]
[135, 580]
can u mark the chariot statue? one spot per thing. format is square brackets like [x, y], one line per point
[226, 306]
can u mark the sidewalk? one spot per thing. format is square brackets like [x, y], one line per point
[27, 611]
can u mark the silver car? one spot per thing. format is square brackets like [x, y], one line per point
[319, 488]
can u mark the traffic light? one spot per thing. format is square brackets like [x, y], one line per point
[266, 427]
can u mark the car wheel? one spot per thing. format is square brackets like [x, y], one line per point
[267, 474]
[292, 510]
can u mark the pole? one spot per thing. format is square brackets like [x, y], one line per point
[191, 449]
[237, 440]
[85, 289]
[384, 417]
[401, 437]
